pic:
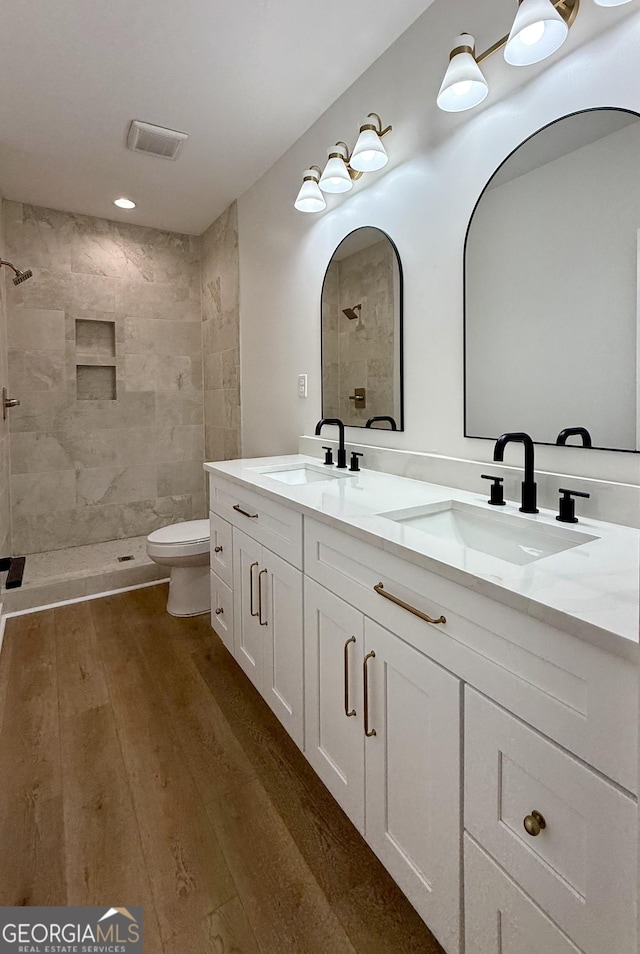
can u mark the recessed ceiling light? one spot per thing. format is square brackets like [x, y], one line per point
[124, 203]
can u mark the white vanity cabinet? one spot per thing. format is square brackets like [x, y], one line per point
[263, 627]
[442, 719]
[383, 732]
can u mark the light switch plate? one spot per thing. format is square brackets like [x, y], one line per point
[302, 385]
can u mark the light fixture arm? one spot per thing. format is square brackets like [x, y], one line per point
[377, 129]
[568, 10]
[353, 173]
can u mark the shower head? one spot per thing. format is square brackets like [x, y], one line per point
[351, 312]
[19, 276]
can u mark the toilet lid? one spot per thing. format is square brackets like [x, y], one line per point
[189, 531]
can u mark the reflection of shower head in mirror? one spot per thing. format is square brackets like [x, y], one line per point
[351, 312]
[19, 276]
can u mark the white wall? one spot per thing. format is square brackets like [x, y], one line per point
[423, 200]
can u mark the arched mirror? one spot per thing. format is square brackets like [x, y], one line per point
[552, 287]
[362, 332]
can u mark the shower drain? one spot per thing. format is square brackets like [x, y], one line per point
[123, 559]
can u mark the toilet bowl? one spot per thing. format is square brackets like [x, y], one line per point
[185, 548]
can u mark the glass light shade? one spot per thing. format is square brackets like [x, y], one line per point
[538, 31]
[368, 153]
[463, 85]
[611, 3]
[310, 198]
[335, 177]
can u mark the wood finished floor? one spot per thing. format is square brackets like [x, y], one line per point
[139, 766]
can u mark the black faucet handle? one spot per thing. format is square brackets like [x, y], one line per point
[328, 457]
[497, 491]
[567, 512]
[355, 464]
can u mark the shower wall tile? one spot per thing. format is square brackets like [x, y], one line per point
[105, 485]
[128, 463]
[220, 336]
[43, 493]
[37, 329]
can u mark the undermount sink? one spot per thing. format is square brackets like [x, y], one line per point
[506, 536]
[300, 473]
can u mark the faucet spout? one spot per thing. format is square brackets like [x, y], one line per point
[529, 490]
[580, 432]
[342, 454]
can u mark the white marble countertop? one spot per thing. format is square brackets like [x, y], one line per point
[590, 591]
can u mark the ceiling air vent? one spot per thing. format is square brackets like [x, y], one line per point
[155, 140]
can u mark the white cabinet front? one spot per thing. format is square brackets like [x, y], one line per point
[268, 641]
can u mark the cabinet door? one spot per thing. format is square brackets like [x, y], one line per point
[248, 643]
[413, 778]
[222, 610]
[334, 741]
[221, 548]
[502, 919]
[280, 618]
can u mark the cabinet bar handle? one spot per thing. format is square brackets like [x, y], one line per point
[262, 622]
[217, 549]
[253, 613]
[534, 823]
[254, 516]
[367, 731]
[347, 711]
[379, 588]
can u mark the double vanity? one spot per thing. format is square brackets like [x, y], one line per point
[461, 676]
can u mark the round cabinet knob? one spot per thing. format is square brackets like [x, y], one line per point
[534, 823]
[217, 549]
[219, 611]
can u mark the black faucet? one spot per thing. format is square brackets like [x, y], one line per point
[528, 484]
[382, 417]
[342, 454]
[579, 431]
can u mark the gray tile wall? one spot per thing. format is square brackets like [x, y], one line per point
[5, 514]
[221, 336]
[93, 470]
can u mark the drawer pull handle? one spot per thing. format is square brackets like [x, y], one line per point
[347, 711]
[534, 823]
[253, 612]
[262, 622]
[219, 611]
[217, 549]
[367, 731]
[379, 588]
[253, 516]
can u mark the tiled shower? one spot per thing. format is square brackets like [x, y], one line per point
[123, 350]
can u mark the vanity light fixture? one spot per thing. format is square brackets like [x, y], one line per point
[539, 29]
[369, 154]
[310, 198]
[344, 168]
[336, 176]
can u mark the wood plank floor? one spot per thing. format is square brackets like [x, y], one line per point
[140, 767]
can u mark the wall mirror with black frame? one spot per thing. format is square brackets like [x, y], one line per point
[552, 287]
[361, 320]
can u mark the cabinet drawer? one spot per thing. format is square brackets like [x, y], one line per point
[222, 610]
[276, 526]
[581, 867]
[221, 548]
[499, 917]
[572, 691]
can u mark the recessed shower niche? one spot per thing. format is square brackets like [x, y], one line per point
[95, 360]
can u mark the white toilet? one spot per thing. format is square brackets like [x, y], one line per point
[185, 548]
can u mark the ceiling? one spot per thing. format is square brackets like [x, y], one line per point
[243, 79]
